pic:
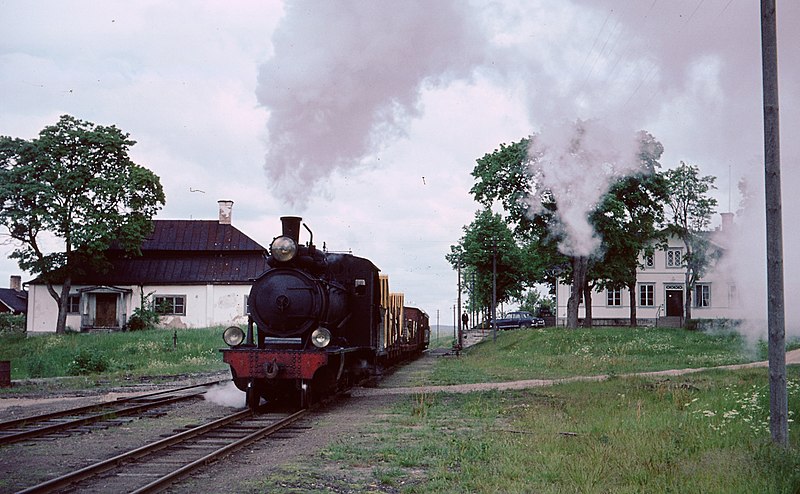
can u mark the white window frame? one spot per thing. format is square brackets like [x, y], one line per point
[649, 261]
[74, 302]
[172, 300]
[700, 301]
[614, 297]
[673, 258]
[733, 295]
[647, 291]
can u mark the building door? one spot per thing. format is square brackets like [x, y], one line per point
[106, 310]
[674, 302]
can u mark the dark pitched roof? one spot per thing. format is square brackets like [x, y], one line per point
[15, 301]
[192, 268]
[184, 252]
[197, 235]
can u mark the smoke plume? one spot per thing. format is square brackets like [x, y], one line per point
[227, 395]
[346, 77]
[577, 162]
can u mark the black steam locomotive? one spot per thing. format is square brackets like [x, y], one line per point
[319, 322]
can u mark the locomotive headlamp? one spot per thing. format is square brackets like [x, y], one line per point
[321, 337]
[233, 336]
[283, 249]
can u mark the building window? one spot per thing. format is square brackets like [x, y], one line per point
[649, 261]
[74, 304]
[702, 295]
[614, 297]
[647, 295]
[171, 305]
[674, 258]
[733, 295]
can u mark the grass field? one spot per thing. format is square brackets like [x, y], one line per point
[703, 432]
[111, 356]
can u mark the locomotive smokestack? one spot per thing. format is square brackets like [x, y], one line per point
[291, 227]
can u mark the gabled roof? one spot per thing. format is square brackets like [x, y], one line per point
[184, 252]
[197, 235]
[191, 268]
[15, 301]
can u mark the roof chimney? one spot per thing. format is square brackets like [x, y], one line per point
[16, 282]
[225, 212]
[727, 221]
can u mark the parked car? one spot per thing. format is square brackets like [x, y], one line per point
[519, 319]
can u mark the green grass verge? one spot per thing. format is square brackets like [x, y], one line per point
[700, 433]
[556, 352]
[113, 355]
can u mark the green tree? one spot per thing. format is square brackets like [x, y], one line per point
[67, 195]
[625, 218]
[689, 215]
[505, 176]
[628, 220]
[488, 243]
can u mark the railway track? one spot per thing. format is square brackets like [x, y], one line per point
[154, 466]
[56, 422]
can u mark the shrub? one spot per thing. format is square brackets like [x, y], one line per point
[88, 362]
[143, 318]
[11, 324]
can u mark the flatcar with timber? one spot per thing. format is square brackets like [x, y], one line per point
[318, 322]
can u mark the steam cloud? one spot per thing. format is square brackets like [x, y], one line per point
[578, 162]
[227, 395]
[346, 77]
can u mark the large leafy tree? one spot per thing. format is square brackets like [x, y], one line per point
[689, 214]
[625, 218]
[68, 195]
[488, 248]
[628, 220]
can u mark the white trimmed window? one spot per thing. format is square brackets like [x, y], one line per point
[171, 305]
[733, 295]
[74, 304]
[674, 258]
[702, 295]
[647, 295]
[649, 261]
[614, 297]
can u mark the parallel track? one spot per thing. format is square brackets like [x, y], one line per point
[39, 425]
[153, 467]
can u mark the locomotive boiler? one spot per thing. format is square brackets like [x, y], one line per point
[318, 322]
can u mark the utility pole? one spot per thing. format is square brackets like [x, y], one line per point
[778, 400]
[460, 328]
[494, 289]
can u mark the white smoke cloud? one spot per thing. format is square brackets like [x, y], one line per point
[227, 395]
[577, 162]
[345, 78]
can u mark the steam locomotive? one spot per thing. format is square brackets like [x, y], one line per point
[318, 322]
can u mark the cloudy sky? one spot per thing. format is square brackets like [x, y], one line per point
[366, 117]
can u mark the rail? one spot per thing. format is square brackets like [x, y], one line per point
[231, 425]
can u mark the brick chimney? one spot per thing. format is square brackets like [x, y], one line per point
[727, 221]
[225, 212]
[16, 282]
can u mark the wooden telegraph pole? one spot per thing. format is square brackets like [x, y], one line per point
[778, 401]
